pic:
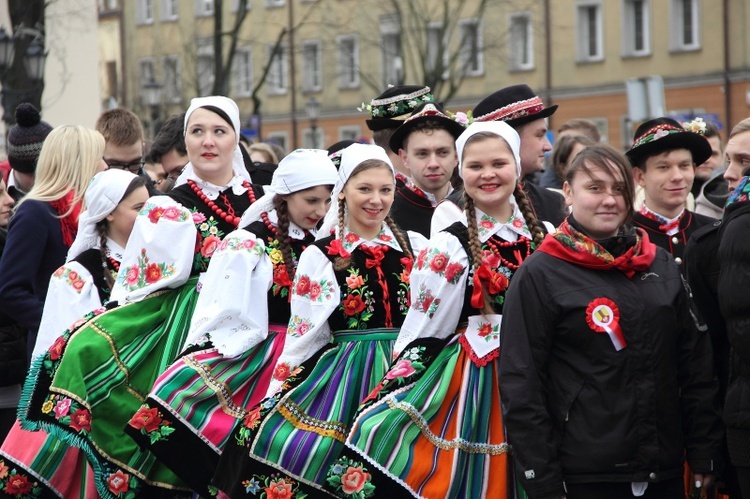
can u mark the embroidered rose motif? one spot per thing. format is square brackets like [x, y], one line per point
[209, 246]
[117, 482]
[77, 284]
[18, 485]
[279, 489]
[402, 369]
[485, 330]
[353, 304]
[72, 276]
[55, 351]
[153, 273]
[336, 248]
[3, 470]
[155, 214]
[350, 479]
[439, 262]
[490, 259]
[453, 271]
[252, 419]
[351, 238]
[282, 371]
[62, 407]
[385, 237]
[171, 213]
[354, 480]
[303, 285]
[354, 281]
[81, 420]
[249, 243]
[486, 224]
[276, 256]
[131, 277]
[198, 217]
[517, 223]
[59, 271]
[421, 258]
[146, 419]
[280, 277]
[498, 283]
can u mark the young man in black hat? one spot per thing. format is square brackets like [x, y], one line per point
[522, 109]
[388, 111]
[426, 145]
[664, 156]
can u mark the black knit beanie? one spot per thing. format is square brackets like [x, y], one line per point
[26, 137]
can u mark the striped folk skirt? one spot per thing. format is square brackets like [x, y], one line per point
[432, 429]
[197, 401]
[291, 439]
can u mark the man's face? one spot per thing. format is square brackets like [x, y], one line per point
[667, 180]
[430, 157]
[737, 158]
[24, 181]
[534, 145]
[126, 157]
[715, 161]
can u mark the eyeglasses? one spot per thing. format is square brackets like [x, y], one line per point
[133, 167]
[175, 174]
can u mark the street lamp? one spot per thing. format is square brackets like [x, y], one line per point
[27, 86]
[7, 44]
[313, 111]
[152, 96]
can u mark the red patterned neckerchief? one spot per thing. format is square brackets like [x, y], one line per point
[69, 221]
[666, 225]
[573, 246]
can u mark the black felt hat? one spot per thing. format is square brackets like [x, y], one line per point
[516, 105]
[429, 111]
[665, 134]
[335, 150]
[389, 109]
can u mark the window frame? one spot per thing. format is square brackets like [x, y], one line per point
[583, 54]
[462, 53]
[528, 35]
[677, 25]
[629, 27]
[312, 77]
[348, 68]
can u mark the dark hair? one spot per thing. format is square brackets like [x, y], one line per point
[223, 115]
[171, 136]
[711, 130]
[282, 210]
[610, 160]
[120, 127]
[585, 127]
[382, 137]
[563, 147]
[102, 227]
[427, 126]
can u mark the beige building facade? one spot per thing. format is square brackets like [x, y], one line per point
[578, 54]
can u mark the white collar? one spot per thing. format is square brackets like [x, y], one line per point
[295, 231]
[114, 250]
[412, 186]
[385, 237]
[12, 181]
[212, 191]
[509, 231]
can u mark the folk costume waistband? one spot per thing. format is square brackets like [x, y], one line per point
[348, 335]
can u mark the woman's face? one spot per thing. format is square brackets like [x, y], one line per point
[6, 204]
[598, 200]
[210, 143]
[307, 208]
[490, 176]
[121, 221]
[368, 196]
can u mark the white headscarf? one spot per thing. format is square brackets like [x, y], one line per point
[499, 128]
[299, 170]
[104, 193]
[351, 158]
[230, 108]
[159, 253]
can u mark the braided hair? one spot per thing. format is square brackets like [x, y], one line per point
[537, 233]
[102, 228]
[282, 210]
[476, 247]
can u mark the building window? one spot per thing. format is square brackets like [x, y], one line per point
[437, 51]
[206, 75]
[350, 132]
[589, 32]
[146, 74]
[281, 139]
[471, 55]
[242, 66]
[307, 138]
[685, 15]
[274, 3]
[172, 80]
[204, 8]
[393, 63]
[636, 28]
[144, 11]
[348, 61]
[521, 42]
[107, 5]
[277, 72]
[169, 10]
[312, 66]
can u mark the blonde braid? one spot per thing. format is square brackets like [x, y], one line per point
[400, 236]
[476, 247]
[340, 263]
[537, 234]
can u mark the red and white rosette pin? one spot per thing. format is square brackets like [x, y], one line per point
[603, 316]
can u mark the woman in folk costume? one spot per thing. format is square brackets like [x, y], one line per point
[242, 308]
[86, 386]
[349, 297]
[433, 426]
[113, 200]
[607, 385]
[214, 185]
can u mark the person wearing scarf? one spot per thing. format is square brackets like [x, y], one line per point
[432, 427]
[607, 385]
[45, 222]
[348, 299]
[238, 328]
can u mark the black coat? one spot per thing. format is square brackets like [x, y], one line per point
[411, 211]
[575, 409]
[12, 343]
[734, 274]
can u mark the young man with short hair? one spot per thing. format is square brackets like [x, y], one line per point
[169, 149]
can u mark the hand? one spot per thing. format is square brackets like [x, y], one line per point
[702, 480]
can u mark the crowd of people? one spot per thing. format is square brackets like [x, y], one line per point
[432, 315]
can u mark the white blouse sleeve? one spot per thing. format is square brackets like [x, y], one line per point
[71, 295]
[315, 295]
[232, 306]
[438, 284]
[446, 214]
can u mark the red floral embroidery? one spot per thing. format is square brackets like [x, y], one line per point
[351, 238]
[421, 258]
[155, 214]
[315, 290]
[354, 281]
[252, 418]
[81, 420]
[336, 248]
[117, 482]
[279, 489]
[146, 419]
[55, 351]
[353, 304]
[385, 237]
[485, 330]
[282, 371]
[354, 480]
[439, 262]
[452, 271]
[153, 273]
[280, 277]
[209, 246]
[18, 485]
[303, 285]
[498, 283]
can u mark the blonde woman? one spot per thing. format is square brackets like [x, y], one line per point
[45, 222]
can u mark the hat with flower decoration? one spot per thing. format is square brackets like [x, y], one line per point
[430, 112]
[516, 105]
[335, 150]
[665, 134]
[389, 109]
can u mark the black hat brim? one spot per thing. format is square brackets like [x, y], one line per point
[383, 124]
[544, 113]
[697, 144]
[397, 139]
